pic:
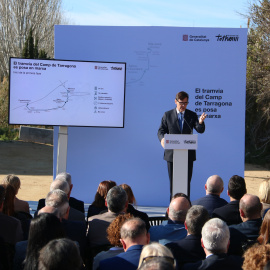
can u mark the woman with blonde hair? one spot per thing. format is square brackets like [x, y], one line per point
[14, 181]
[264, 195]
[155, 250]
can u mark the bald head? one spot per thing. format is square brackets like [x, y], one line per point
[214, 185]
[49, 210]
[250, 207]
[60, 184]
[178, 209]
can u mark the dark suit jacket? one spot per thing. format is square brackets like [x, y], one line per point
[170, 125]
[245, 233]
[228, 213]
[210, 202]
[74, 203]
[126, 260]
[97, 226]
[217, 262]
[187, 250]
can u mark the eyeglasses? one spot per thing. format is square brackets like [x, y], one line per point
[166, 258]
[182, 103]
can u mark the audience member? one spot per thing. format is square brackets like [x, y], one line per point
[157, 263]
[155, 250]
[245, 233]
[133, 237]
[264, 195]
[11, 230]
[215, 242]
[74, 214]
[98, 205]
[75, 230]
[114, 236]
[116, 202]
[60, 254]
[230, 212]
[264, 237]
[189, 249]
[14, 181]
[256, 257]
[74, 203]
[43, 228]
[174, 228]
[213, 188]
[132, 201]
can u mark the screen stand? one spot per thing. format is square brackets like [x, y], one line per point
[62, 149]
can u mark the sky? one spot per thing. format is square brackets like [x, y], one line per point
[181, 13]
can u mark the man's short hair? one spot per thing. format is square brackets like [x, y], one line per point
[58, 199]
[64, 176]
[2, 194]
[196, 217]
[251, 207]
[237, 187]
[60, 254]
[133, 228]
[215, 236]
[182, 95]
[60, 184]
[214, 187]
[116, 199]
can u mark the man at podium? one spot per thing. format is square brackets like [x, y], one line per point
[180, 120]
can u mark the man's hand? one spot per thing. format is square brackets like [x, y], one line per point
[162, 143]
[202, 118]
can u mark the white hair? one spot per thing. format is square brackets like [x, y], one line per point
[216, 236]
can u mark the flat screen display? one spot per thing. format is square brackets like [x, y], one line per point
[66, 93]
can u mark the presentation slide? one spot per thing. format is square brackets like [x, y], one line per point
[67, 93]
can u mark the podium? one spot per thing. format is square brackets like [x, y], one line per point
[180, 144]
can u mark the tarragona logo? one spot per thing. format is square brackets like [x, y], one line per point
[227, 38]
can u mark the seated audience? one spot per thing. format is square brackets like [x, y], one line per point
[264, 195]
[60, 254]
[43, 228]
[74, 203]
[155, 250]
[116, 202]
[98, 205]
[215, 242]
[132, 201]
[14, 181]
[173, 229]
[189, 249]
[213, 188]
[113, 234]
[256, 257]
[230, 212]
[247, 232]
[133, 237]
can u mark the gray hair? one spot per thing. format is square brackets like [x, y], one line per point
[179, 215]
[214, 184]
[64, 176]
[216, 236]
[196, 217]
[133, 228]
[60, 184]
[58, 199]
[116, 199]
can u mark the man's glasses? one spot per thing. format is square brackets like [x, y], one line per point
[182, 103]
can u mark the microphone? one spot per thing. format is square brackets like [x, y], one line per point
[191, 130]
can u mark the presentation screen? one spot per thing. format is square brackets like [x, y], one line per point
[66, 93]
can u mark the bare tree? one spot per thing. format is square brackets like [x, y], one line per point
[17, 17]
